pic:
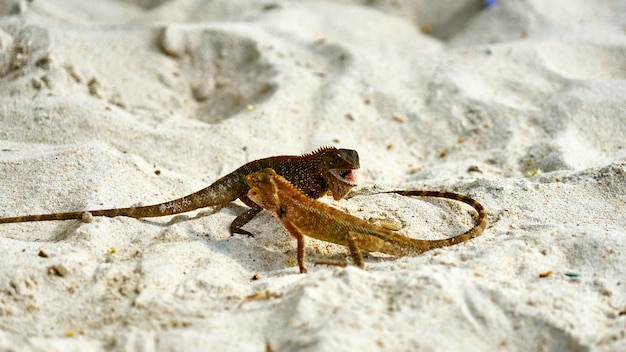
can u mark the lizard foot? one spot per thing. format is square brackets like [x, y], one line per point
[240, 231]
[330, 262]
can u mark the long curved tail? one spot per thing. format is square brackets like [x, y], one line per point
[481, 220]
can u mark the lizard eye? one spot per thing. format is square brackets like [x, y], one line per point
[336, 158]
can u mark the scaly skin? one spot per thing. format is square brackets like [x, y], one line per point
[316, 173]
[302, 216]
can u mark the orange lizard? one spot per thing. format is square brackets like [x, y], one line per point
[316, 173]
[302, 216]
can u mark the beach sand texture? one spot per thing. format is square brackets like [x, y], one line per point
[117, 103]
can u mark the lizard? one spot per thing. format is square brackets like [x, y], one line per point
[324, 170]
[302, 215]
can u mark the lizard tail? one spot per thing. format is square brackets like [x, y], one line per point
[203, 198]
[481, 220]
[44, 217]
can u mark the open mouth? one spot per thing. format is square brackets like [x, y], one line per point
[347, 176]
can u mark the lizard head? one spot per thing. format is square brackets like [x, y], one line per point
[337, 167]
[263, 190]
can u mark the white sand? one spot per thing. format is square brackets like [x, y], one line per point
[97, 96]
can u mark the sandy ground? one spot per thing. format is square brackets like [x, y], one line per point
[111, 104]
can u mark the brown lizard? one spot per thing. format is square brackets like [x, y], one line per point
[302, 216]
[316, 173]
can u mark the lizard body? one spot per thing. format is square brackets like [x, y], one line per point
[302, 216]
[316, 173]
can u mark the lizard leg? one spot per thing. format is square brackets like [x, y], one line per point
[300, 239]
[357, 256]
[242, 219]
[355, 252]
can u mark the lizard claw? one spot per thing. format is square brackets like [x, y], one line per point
[240, 231]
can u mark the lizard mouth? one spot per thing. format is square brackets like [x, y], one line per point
[347, 176]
